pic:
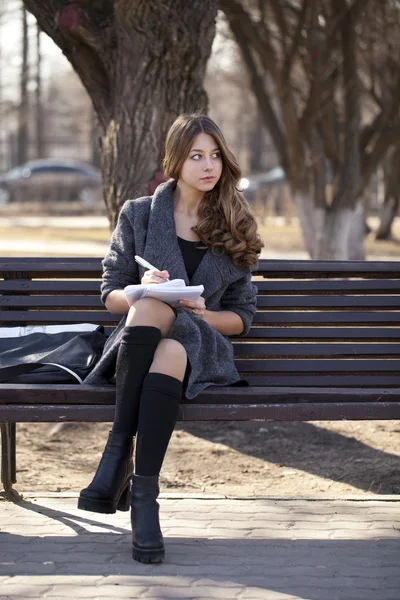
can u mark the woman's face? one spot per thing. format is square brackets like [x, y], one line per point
[203, 167]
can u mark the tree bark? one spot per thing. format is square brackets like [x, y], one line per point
[390, 207]
[142, 63]
[40, 144]
[22, 140]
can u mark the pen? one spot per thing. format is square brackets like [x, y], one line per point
[144, 263]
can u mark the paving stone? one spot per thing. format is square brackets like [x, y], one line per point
[215, 548]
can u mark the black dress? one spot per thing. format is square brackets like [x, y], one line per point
[192, 257]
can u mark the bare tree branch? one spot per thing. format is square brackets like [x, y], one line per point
[236, 13]
[293, 49]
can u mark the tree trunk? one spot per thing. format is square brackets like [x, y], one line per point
[387, 215]
[391, 201]
[40, 149]
[336, 234]
[22, 140]
[357, 232]
[308, 217]
[255, 143]
[142, 63]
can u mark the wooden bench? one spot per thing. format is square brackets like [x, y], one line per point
[324, 345]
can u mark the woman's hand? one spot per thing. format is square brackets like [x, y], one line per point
[197, 308]
[154, 276]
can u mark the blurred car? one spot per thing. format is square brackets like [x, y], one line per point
[261, 181]
[51, 180]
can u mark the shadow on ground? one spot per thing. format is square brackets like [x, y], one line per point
[330, 455]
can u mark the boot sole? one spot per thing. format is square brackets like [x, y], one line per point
[148, 555]
[106, 507]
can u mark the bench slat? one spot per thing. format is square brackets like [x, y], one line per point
[326, 318]
[328, 302]
[317, 350]
[268, 268]
[278, 302]
[89, 394]
[355, 411]
[92, 302]
[52, 316]
[365, 380]
[337, 286]
[321, 269]
[304, 365]
[49, 286]
[261, 317]
[320, 333]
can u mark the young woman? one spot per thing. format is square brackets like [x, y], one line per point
[198, 227]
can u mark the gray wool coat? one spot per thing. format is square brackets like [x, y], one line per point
[146, 227]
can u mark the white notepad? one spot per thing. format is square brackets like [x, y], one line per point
[170, 291]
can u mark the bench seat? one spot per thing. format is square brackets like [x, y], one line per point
[324, 345]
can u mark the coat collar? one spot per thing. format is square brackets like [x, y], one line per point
[163, 251]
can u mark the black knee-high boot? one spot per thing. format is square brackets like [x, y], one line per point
[158, 411]
[110, 488]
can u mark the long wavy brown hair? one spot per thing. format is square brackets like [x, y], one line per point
[226, 222]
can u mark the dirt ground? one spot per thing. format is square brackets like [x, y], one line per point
[235, 459]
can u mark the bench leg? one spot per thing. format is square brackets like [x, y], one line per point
[8, 456]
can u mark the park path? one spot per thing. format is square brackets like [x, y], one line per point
[216, 547]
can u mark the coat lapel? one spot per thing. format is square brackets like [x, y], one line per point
[162, 249]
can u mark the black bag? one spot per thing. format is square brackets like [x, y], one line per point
[64, 357]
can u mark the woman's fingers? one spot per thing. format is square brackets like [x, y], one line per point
[154, 276]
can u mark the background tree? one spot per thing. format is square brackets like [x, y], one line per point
[39, 133]
[304, 60]
[23, 116]
[142, 63]
[391, 201]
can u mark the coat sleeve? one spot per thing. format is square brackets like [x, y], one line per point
[240, 297]
[119, 266]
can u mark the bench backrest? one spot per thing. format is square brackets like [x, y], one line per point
[318, 323]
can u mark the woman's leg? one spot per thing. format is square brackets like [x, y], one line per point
[147, 322]
[159, 406]
[158, 411]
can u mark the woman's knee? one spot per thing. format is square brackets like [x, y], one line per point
[152, 312]
[170, 358]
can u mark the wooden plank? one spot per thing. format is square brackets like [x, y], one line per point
[328, 302]
[51, 301]
[269, 302]
[327, 318]
[278, 302]
[336, 286]
[365, 380]
[44, 394]
[304, 365]
[301, 349]
[261, 317]
[321, 269]
[268, 268]
[50, 286]
[52, 267]
[320, 333]
[210, 412]
[54, 317]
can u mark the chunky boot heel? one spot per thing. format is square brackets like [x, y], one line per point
[124, 502]
[110, 488]
[147, 539]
